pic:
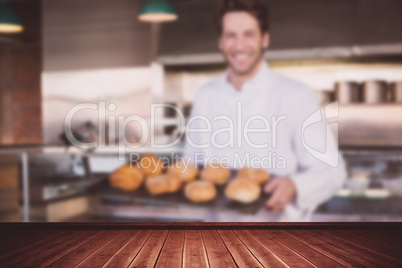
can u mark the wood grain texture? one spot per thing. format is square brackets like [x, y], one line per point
[362, 248]
[103, 254]
[308, 253]
[76, 256]
[242, 256]
[51, 256]
[127, 247]
[150, 251]
[127, 253]
[194, 250]
[338, 245]
[44, 248]
[286, 254]
[320, 245]
[217, 253]
[31, 241]
[13, 240]
[379, 245]
[172, 252]
[263, 253]
[390, 237]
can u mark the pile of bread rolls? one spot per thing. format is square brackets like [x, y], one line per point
[245, 188]
[148, 169]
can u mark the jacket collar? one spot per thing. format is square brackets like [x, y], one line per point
[260, 78]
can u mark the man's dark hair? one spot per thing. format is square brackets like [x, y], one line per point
[255, 7]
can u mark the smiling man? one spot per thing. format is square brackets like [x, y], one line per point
[252, 116]
[244, 37]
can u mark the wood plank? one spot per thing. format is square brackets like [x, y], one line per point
[194, 254]
[51, 256]
[41, 249]
[223, 248]
[391, 233]
[172, 251]
[29, 242]
[11, 240]
[377, 245]
[359, 253]
[387, 237]
[27, 238]
[362, 248]
[149, 253]
[286, 254]
[308, 253]
[367, 260]
[321, 246]
[242, 256]
[76, 256]
[217, 253]
[262, 252]
[390, 237]
[127, 253]
[103, 254]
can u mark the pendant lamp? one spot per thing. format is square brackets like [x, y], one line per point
[9, 22]
[157, 11]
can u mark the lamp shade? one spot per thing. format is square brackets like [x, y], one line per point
[9, 22]
[157, 11]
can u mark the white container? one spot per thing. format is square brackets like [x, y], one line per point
[358, 185]
[394, 186]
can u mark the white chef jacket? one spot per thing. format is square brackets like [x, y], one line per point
[265, 100]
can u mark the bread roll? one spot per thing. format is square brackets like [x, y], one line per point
[175, 183]
[200, 191]
[185, 173]
[162, 184]
[257, 175]
[242, 190]
[126, 178]
[150, 165]
[217, 174]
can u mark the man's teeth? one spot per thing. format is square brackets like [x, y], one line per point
[240, 56]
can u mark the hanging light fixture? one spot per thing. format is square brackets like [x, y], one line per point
[9, 22]
[157, 11]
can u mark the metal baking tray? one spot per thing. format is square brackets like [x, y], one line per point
[105, 190]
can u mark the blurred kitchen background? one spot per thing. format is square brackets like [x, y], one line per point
[94, 51]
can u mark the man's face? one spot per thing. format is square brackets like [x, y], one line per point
[241, 42]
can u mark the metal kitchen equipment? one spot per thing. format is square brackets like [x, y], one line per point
[347, 92]
[326, 97]
[376, 125]
[375, 92]
[396, 92]
[140, 204]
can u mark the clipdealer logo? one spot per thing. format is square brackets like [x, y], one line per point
[330, 155]
[237, 132]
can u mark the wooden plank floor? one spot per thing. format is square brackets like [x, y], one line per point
[202, 247]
